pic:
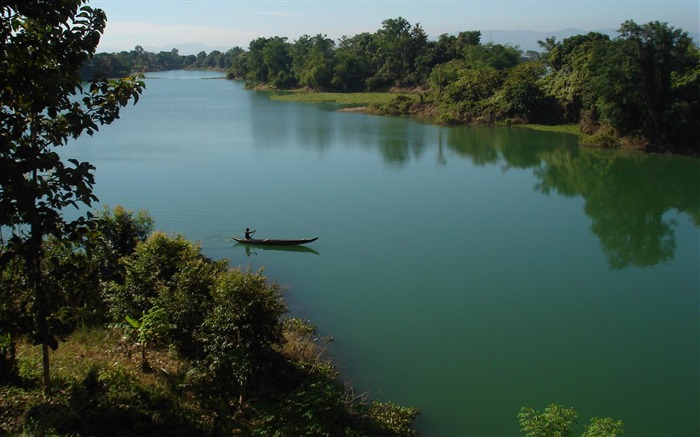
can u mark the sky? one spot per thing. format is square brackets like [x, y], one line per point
[224, 24]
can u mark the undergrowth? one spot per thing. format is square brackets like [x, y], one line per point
[99, 388]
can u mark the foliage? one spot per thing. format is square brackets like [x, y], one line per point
[395, 419]
[138, 60]
[647, 84]
[241, 328]
[554, 421]
[399, 105]
[465, 99]
[123, 229]
[312, 61]
[558, 421]
[349, 99]
[168, 272]
[99, 387]
[354, 63]
[150, 330]
[641, 90]
[43, 105]
[8, 363]
[523, 96]
[605, 427]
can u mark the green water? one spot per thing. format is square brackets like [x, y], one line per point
[464, 271]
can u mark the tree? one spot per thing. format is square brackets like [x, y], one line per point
[570, 76]
[171, 273]
[464, 99]
[241, 328]
[554, 421]
[647, 85]
[313, 61]
[120, 231]
[42, 48]
[393, 57]
[269, 61]
[523, 96]
[353, 62]
[497, 56]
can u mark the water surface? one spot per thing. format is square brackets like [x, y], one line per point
[465, 271]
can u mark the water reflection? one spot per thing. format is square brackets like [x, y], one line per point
[628, 198]
[253, 250]
[627, 195]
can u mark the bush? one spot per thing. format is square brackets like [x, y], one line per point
[148, 273]
[242, 328]
[399, 105]
[557, 421]
[120, 231]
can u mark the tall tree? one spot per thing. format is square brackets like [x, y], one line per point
[648, 85]
[278, 59]
[570, 75]
[313, 61]
[42, 105]
[353, 62]
[393, 56]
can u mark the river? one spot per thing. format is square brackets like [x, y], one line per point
[466, 271]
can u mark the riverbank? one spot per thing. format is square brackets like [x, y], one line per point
[413, 105]
[98, 379]
[378, 103]
[355, 102]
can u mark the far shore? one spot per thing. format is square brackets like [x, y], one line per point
[365, 103]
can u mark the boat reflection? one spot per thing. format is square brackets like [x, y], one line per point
[251, 249]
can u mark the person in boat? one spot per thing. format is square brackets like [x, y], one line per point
[249, 234]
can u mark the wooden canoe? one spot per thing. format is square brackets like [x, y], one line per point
[274, 242]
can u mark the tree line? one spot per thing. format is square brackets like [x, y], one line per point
[138, 60]
[640, 90]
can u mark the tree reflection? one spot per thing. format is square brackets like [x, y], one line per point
[628, 196]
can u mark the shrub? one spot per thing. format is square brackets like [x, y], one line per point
[119, 232]
[558, 421]
[242, 328]
[150, 271]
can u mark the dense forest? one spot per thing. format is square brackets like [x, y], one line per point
[640, 90]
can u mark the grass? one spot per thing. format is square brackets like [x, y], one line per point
[572, 129]
[98, 388]
[351, 99]
[86, 349]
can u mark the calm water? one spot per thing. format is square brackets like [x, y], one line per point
[464, 271]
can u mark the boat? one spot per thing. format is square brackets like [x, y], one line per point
[274, 242]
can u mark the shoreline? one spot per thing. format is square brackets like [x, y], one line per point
[371, 103]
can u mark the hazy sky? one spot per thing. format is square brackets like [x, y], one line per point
[229, 23]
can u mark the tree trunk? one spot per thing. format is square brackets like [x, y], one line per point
[47, 369]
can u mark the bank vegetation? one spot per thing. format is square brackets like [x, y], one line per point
[640, 90]
[160, 340]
